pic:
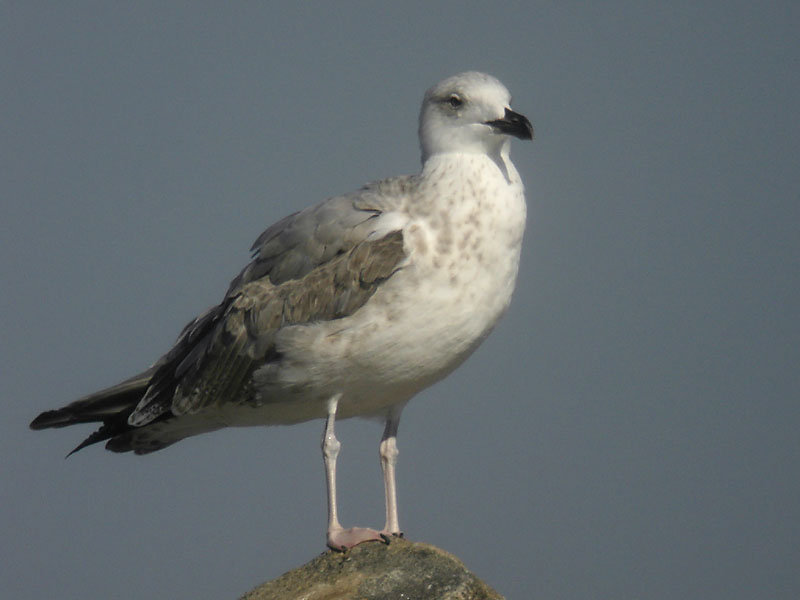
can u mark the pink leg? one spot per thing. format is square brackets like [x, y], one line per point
[388, 452]
[339, 538]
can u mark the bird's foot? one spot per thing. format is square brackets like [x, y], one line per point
[344, 539]
[388, 536]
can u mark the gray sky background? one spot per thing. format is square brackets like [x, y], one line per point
[630, 430]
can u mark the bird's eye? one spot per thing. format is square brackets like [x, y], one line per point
[455, 101]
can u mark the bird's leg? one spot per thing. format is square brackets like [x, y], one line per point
[389, 452]
[338, 537]
[330, 450]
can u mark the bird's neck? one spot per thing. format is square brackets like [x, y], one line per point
[464, 164]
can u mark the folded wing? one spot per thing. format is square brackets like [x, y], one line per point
[319, 264]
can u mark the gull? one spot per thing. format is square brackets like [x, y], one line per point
[349, 307]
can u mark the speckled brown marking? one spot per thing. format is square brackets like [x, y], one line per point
[465, 239]
[444, 240]
[416, 239]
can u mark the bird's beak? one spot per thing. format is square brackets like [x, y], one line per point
[513, 124]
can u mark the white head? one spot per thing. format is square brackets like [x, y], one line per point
[469, 113]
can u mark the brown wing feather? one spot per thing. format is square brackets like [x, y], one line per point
[242, 339]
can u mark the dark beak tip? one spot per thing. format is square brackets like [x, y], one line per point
[514, 124]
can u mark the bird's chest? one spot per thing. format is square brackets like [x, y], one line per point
[469, 238]
[463, 259]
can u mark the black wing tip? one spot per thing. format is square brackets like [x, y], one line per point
[50, 418]
[80, 446]
[101, 435]
[115, 433]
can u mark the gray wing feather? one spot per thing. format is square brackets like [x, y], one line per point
[318, 264]
[244, 340]
[293, 246]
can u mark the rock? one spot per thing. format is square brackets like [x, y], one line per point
[375, 571]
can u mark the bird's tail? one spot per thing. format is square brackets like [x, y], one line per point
[110, 406]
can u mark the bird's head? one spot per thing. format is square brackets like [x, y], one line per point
[469, 113]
